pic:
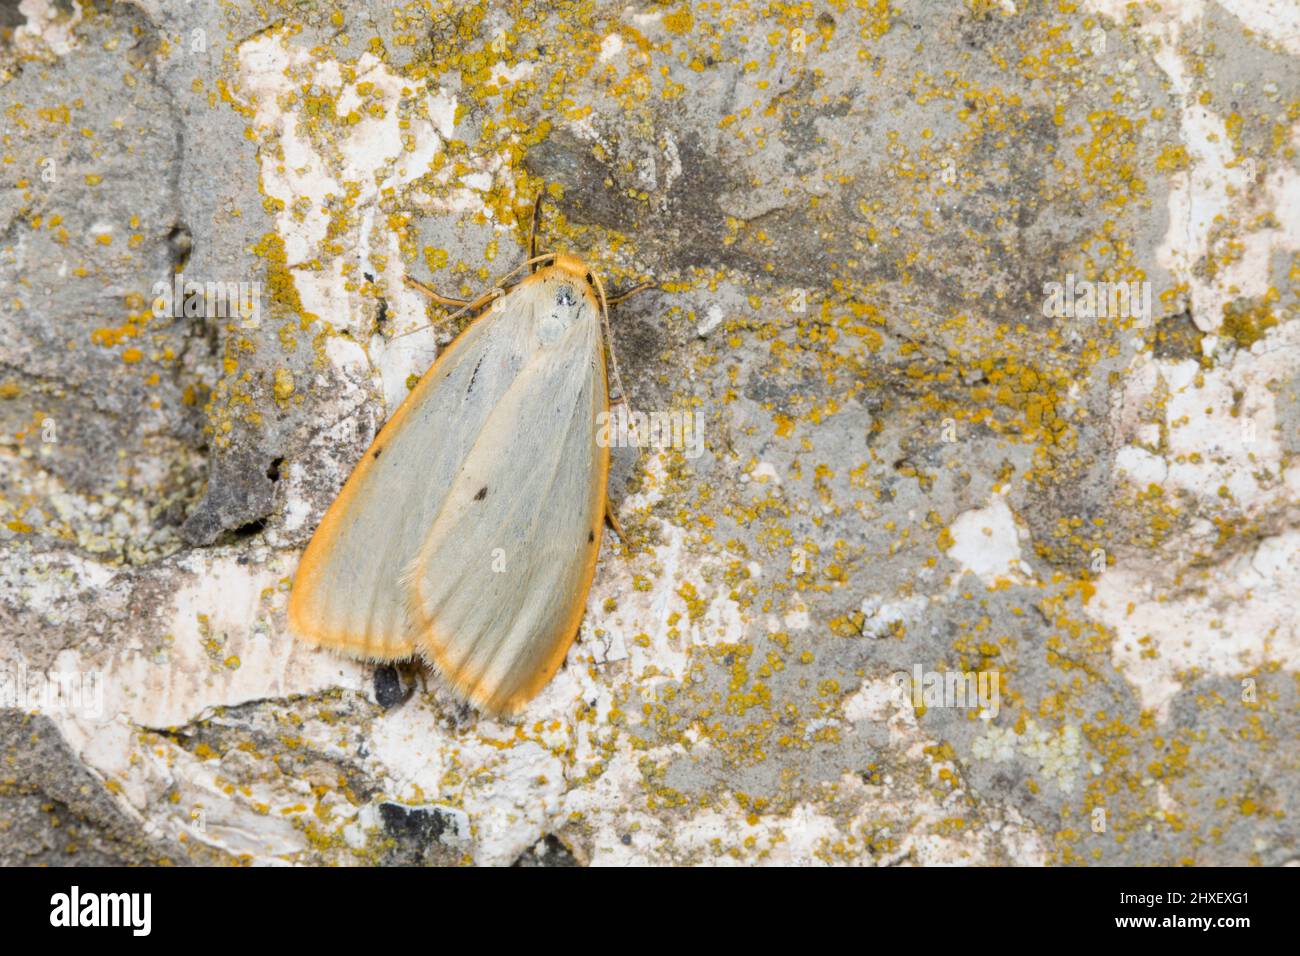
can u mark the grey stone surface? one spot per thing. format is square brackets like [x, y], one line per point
[850, 213]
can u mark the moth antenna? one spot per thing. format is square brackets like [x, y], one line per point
[481, 301]
[532, 232]
[474, 305]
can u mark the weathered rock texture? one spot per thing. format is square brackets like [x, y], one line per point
[912, 462]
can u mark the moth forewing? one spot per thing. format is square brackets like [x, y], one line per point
[345, 596]
[501, 580]
[470, 529]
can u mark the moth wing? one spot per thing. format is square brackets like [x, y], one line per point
[348, 594]
[501, 581]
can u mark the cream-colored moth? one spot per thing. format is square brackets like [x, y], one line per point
[469, 531]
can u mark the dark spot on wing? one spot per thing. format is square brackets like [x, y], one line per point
[376, 453]
[474, 375]
[482, 493]
[591, 536]
[564, 296]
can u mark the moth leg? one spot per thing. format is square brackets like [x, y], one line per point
[624, 296]
[612, 520]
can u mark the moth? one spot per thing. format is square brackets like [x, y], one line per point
[468, 533]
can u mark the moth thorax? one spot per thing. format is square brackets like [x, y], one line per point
[565, 306]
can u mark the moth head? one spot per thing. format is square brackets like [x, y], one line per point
[563, 265]
[570, 264]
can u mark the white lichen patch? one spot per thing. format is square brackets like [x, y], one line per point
[49, 27]
[1214, 433]
[1055, 755]
[217, 643]
[1220, 185]
[333, 193]
[986, 542]
[1227, 620]
[927, 813]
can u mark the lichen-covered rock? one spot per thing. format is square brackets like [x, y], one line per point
[977, 538]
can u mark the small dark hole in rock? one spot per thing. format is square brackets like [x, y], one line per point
[549, 851]
[417, 826]
[250, 529]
